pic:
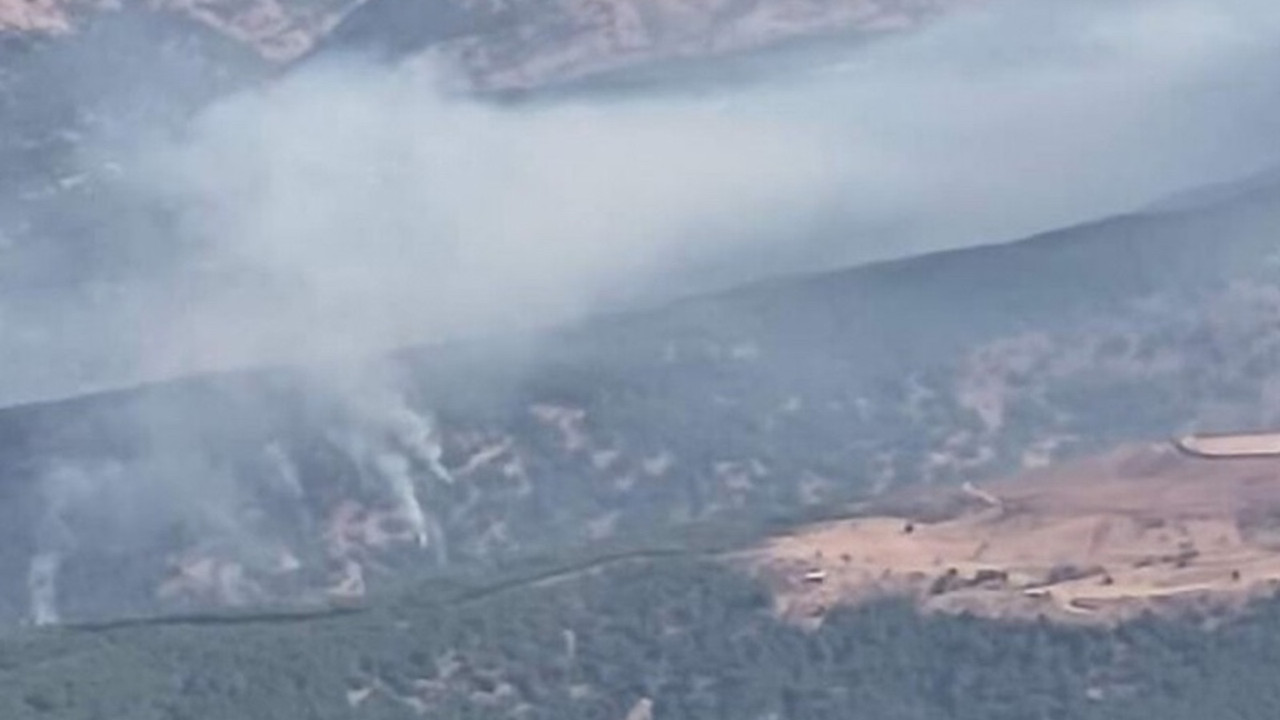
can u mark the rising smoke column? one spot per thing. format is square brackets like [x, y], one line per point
[42, 586]
[419, 438]
[285, 482]
[63, 486]
[285, 472]
[419, 434]
[402, 449]
[394, 469]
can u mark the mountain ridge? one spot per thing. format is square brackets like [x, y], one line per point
[783, 396]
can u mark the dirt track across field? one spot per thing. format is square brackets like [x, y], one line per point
[1100, 540]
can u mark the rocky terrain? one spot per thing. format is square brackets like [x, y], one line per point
[510, 43]
[278, 31]
[75, 70]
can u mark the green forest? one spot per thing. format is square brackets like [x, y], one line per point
[661, 635]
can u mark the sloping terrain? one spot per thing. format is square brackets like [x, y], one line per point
[77, 75]
[1097, 541]
[529, 44]
[802, 394]
[518, 43]
[278, 30]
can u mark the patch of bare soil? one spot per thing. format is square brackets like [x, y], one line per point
[1094, 541]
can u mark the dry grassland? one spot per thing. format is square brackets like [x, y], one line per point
[1093, 541]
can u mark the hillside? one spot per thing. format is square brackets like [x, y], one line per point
[1001, 483]
[512, 43]
[279, 31]
[798, 395]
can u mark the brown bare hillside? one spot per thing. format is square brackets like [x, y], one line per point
[1093, 541]
[535, 42]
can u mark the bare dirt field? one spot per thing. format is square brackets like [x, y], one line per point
[1094, 541]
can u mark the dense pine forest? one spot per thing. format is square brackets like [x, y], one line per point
[651, 635]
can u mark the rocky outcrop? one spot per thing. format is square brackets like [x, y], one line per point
[507, 42]
[279, 30]
[522, 44]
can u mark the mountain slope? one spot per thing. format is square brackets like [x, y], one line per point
[532, 40]
[805, 393]
[520, 45]
[277, 30]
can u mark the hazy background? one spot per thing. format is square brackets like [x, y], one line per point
[350, 207]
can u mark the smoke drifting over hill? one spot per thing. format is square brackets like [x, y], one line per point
[350, 207]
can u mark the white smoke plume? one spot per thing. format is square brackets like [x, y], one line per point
[129, 507]
[419, 436]
[284, 471]
[348, 207]
[394, 468]
[64, 488]
[416, 436]
[42, 584]
[391, 444]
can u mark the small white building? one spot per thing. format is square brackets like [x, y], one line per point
[1230, 445]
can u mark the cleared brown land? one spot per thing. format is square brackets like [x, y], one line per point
[1093, 541]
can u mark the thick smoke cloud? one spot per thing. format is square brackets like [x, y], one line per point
[349, 207]
[355, 208]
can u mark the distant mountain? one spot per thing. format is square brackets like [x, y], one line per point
[503, 44]
[77, 69]
[514, 42]
[70, 230]
[279, 31]
[793, 396]
[72, 70]
[83, 84]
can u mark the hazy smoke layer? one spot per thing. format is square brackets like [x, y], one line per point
[350, 207]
